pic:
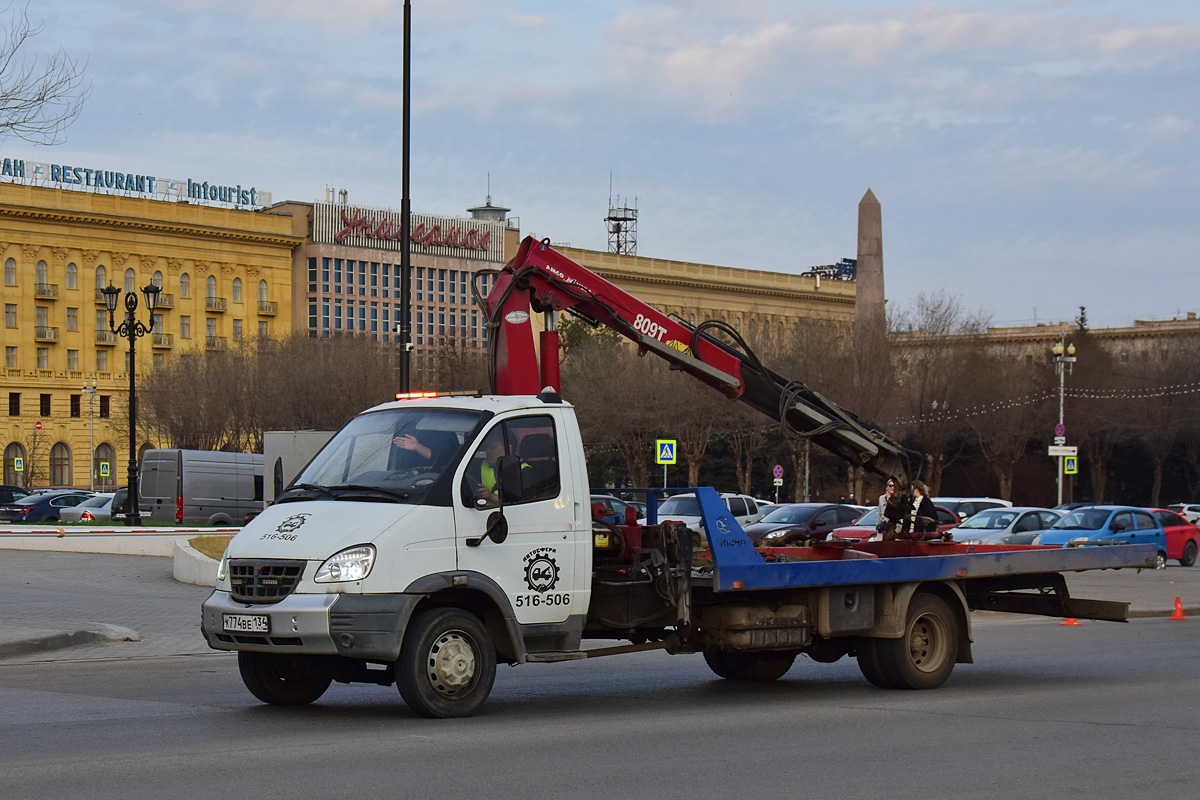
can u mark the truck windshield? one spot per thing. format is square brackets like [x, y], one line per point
[394, 454]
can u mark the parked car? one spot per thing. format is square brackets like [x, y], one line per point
[43, 506]
[798, 522]
[10, 493]
[97, 508]
[967, 507]
[863, 529]
[1189, 511]
[1016, 525]
[1107, 525]
[1183, 537]
[685, 508]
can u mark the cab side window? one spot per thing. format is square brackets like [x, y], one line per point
[533, 441]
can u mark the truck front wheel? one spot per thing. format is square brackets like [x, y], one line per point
[447, 664]
[762, 666]
[924, 656]
[282, 680]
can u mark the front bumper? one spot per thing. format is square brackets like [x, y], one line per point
[352, 625]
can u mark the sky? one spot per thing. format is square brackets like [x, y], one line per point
[1030, 157]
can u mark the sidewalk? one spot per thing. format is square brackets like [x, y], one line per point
[117, 606]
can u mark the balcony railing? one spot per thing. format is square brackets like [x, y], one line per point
[214, 342]
[105, 337]
[267, 307]
[214, 303]
[163, 340]
[100, 296]
[166, 300]
[45, 291]
[44, 334]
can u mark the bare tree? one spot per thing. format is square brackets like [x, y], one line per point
[39, 98]
[1010, 406]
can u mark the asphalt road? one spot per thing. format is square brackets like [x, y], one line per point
[1104, 710]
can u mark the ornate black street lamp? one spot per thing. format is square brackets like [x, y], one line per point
[131, 329]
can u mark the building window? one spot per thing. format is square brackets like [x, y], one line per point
[101, 361]
[156, 279]
[72, 276]
[43, 358]
[237, 290]
[75, 405]
[11, 454]
[104, 406]
[44, 405]
[262, 291]
[264, 330]
[130, 281]
[14, 404]
[158, 360]
[210, 286]
[312, 274]
[10, 315]
[156, 323]
[42, 277]
[73, 360]
[210, 326]
[100, 276]
[185, 326]
[337, 275]
[10, 273]
[10, 357]
[185, 285]
[237, 326]
[72, 319]
[41, 316]
[105, 455]
[60, 465]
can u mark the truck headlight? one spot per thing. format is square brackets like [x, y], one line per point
[352, 564]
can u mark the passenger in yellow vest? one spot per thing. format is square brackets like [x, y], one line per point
[493, 448]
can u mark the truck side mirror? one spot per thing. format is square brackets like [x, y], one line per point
[511, 476]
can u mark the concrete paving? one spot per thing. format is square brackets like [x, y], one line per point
[88, 606]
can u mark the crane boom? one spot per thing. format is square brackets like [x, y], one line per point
[539, 279]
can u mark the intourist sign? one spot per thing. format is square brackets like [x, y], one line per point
[108, 181]
[380, 229]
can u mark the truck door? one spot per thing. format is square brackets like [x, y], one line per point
[535, 564]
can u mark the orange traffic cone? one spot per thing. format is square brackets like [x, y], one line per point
[1177, 615]
[1071, 621]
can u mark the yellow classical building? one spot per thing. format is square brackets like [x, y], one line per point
[225, 275]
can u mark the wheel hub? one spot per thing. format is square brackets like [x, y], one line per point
[452, 663]
[925, 643]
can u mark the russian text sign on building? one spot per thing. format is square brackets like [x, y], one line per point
[379, 229]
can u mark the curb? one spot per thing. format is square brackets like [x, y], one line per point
[61, 640]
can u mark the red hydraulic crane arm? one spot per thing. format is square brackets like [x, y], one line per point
[541, 280]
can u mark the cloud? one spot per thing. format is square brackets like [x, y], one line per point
[1165, 127]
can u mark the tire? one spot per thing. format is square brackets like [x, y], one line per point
[1160, 560]
[868, 663]
[447, 664]
[282, 680]
[764, 666]
[1188, 558]
[924, 656]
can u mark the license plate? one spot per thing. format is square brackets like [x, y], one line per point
[246, 623]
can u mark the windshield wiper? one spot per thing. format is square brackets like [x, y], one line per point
[394, 494]
[311, 487]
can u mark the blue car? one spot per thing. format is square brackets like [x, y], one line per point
[1108, 524]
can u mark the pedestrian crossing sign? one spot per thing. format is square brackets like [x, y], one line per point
[1070, 465]
[103, 469]
[18, 464]
[666, 451]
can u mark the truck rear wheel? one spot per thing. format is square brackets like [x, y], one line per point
[763, 666]
[924, 656]
[447, 664]
[868, 662]
[282, 680]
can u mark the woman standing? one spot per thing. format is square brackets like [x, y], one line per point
[922, 523]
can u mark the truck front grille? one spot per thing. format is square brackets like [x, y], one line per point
[263, 581]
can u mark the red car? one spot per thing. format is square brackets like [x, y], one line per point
[1183, 537]
[864, 528]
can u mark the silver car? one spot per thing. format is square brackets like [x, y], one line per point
[1016, 525]
[94, 509]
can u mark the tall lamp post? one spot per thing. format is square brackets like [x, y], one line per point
[132, 329]
[1064, 360]
[90, 390]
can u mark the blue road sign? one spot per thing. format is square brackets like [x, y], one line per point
[666, 451]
